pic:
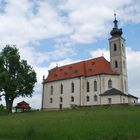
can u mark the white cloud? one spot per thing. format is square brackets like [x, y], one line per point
[90, 20]
[100, 52]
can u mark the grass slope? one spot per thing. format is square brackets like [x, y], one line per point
[98, 123]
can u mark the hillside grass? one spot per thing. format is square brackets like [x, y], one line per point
[97, 123]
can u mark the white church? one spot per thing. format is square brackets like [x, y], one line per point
[91, 82]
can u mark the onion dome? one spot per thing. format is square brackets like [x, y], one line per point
[115, 30]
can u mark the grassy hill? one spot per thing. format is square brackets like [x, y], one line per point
[98, 123]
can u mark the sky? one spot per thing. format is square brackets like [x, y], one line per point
[59, 32]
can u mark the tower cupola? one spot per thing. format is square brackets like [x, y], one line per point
[115, 30]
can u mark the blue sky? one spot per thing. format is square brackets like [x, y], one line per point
[50, 32]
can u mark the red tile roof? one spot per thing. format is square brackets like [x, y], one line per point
[90, 67]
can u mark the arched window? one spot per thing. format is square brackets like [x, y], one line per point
[109, 83]
[61, 89]
[72, 99]
[51, 90]
[51, 100]
[72, 87]
[116, 64]
[115, 47]
[95, 98]
[87, 98]
[95, 85]
[88, 87]
[61, 99]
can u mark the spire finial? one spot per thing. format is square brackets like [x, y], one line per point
[115, 15]
[115, 21]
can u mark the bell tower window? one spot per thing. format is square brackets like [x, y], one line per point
[115, 47]
[116, 64]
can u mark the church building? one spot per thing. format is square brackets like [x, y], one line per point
[91, 82]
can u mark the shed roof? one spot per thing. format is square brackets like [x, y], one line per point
[129, 95]
[113, 91]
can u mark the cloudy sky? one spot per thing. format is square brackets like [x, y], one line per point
[57, 32]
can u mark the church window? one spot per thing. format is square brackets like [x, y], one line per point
[109, 83]
[61, 99]
[51, 100]
[51, 90]
[61, 89]
[72, 99]
[115, 47]
[116, 64]
[87, 98]
[95, 98]
[95, 85]
[72, 87]
[88, 87]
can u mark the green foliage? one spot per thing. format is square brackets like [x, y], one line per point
[98, 123]
[17, 78]
[2, 108]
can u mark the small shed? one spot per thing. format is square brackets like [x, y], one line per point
[23, 106]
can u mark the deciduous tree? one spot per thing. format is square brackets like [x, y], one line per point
[17, 78]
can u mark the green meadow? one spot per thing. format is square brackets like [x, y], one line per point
[96, 123]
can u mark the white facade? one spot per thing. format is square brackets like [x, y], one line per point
[57, 98]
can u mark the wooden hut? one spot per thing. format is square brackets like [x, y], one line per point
[23, 106]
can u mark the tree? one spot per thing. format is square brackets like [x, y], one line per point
[17, 78]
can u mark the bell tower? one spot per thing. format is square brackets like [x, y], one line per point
[118, 55]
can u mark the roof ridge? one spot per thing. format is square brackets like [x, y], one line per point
[80, 62]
